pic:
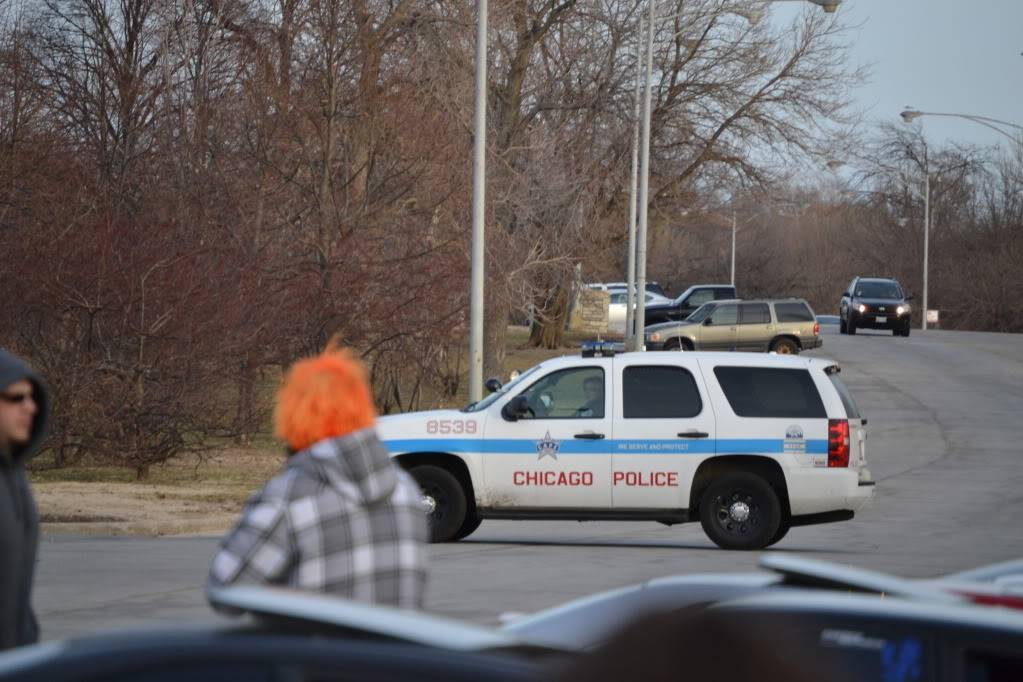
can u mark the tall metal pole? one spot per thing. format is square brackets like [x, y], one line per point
[630, 314]
[733, 249]
[479, 180]
[644, 187]
[927, 237]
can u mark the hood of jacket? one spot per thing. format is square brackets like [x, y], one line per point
[14, 369]
[357, 464]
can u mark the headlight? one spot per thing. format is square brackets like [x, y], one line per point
[902, 310]
[655, 337]
[862, 308]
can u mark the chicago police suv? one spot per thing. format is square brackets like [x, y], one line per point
[751, 445]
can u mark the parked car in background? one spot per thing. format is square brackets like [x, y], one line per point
[652, 287]
[617, 308]
[874, 303]
[687, 302]
[786, 326]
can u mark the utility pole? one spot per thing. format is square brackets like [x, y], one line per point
[631, 294]
[479, 187]
[733, 249]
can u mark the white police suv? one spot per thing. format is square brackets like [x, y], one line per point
[749, 444]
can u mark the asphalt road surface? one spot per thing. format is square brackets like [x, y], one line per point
[945, 444]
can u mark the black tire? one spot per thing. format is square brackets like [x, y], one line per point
[469, 526]
[783, 530]
[673, 344]
[905, 330]
[732, 495]
[785, 346]
[449, 501]
[850, 327]
[841, 326]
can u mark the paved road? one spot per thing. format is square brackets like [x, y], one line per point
[945, 416]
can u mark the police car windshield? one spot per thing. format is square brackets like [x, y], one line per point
[489, 400]
[701, 313]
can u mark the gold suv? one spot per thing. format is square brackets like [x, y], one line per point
[784, 325]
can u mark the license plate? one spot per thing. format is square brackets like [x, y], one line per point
[882, 320]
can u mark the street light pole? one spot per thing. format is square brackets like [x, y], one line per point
[631, 294]
[644, 187]
[927, 235]
[479, 180]
[733, 249]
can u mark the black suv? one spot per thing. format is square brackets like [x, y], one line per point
[874, 303]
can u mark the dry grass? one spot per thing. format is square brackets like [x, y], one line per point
[190, 496]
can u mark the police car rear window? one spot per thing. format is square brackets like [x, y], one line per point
[851, 411]
[659, 392]
[771, 392]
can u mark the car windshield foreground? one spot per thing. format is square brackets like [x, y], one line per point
[291, 636]
[587, 623]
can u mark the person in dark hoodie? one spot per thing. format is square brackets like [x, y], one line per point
[341, 517]
[24, 409]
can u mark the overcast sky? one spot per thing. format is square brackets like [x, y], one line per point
[958, 56]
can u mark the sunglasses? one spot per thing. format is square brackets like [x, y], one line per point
[15, 398]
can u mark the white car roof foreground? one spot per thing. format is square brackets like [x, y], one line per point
[726, 358]
[404, 625]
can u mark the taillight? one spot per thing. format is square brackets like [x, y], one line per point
[838, 443]
[816, 328]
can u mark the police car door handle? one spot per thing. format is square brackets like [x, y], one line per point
[693, 434]
[590, 435]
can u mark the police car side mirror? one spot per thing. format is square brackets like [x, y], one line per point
[493, 384]
[516, 408]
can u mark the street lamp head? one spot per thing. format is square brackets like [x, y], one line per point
[909, 114]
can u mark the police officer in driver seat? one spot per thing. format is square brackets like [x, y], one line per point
[593, 388]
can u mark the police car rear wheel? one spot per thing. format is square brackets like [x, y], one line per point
[782, 531]
[469, 526]
[445, 501]
[740, 511]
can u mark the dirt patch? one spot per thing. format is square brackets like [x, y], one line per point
[181, 498]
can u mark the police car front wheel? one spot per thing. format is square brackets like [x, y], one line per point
[444, 500]
[740, 511]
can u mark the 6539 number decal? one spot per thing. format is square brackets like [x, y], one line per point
[452, 426]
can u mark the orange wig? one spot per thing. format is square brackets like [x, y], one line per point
[323, 397]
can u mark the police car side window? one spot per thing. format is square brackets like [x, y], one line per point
[771, 392]
[659, 392]
[576, 393]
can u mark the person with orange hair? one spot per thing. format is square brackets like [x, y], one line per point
[341, 517]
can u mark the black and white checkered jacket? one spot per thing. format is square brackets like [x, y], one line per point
[341, 518]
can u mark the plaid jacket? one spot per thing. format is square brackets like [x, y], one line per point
[340, 518]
